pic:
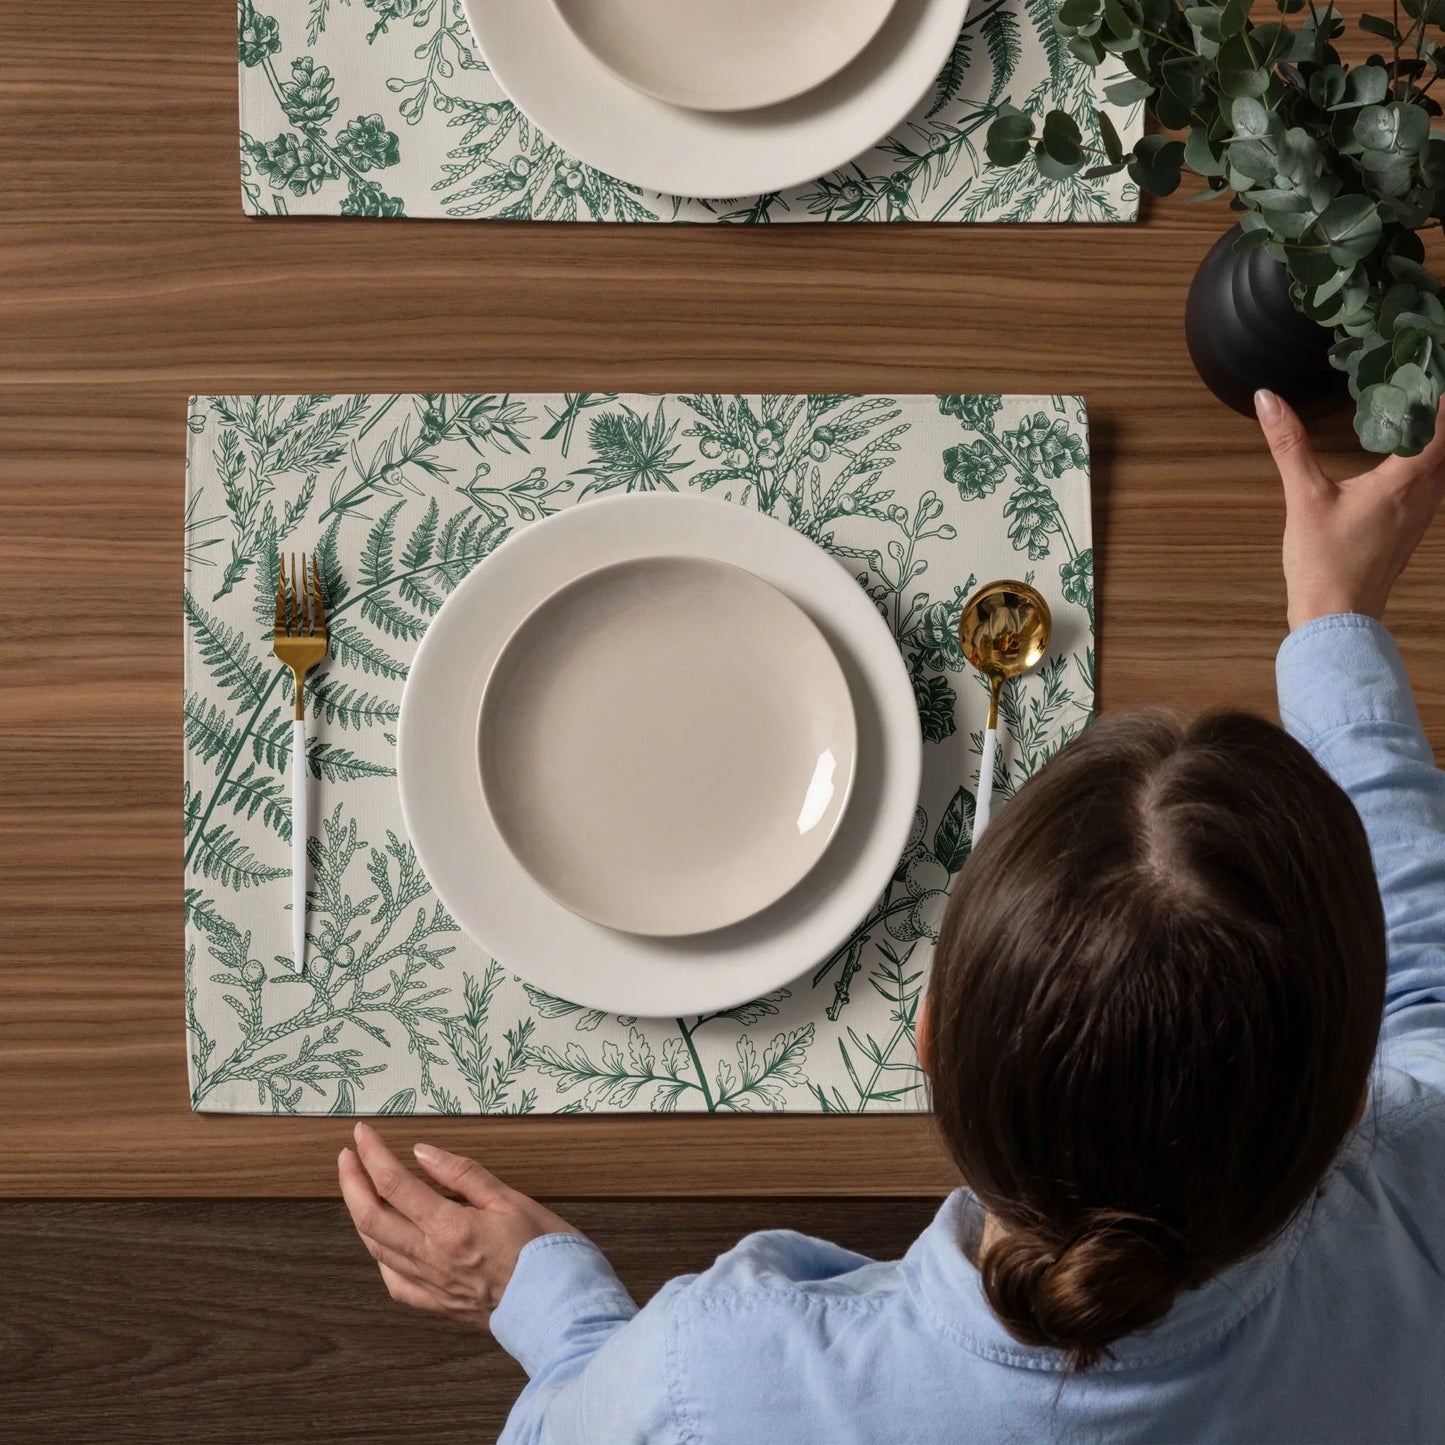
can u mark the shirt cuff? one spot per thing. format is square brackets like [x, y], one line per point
[1340, 670]
[559, 1282]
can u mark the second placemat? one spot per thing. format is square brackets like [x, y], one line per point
[384, 108]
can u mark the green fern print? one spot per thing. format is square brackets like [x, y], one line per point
[385, 108]
[919, 497]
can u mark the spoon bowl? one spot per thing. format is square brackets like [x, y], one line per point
[1004, 632]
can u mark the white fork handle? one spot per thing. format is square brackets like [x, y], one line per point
[983, 802]
[300, 828]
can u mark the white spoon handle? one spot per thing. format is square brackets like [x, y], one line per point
[983, 803]
[300, 827]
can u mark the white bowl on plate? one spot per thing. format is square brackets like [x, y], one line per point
[555, 81]
[667, 745]
[502, 907]
[724, 55]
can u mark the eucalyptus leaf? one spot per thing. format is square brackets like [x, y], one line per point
[1254, 158]
[1128, 92]
[1086, 48]
[1250, 118]
[1157, 164]
[1350, 227]
[1054, 169]
[1371, 364]
[1233, 17]
[1201, 155]
[1403, 297]
[1310, 265]
[1364, 85]
[1061, 139]
[1380, 417]
[1118, 23]
[1374, 25]
[1332, 287]
[1113, 146]
[1327, 85]
[1291, 225]
[1251, 240]
[1403, 269]
[1170, 111]
[1250, 80]
[1410, 347]
[1395, 128]
[1009, 137]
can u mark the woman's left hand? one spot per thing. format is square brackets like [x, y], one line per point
[447, 1256]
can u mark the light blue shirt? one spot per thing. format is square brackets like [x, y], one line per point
[1335, 1332]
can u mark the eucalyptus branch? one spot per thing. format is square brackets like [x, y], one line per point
[1334, 168]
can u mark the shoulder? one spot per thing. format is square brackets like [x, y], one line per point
[785, 1284]
[780, 1259]
[1387, 1188]
[782, 1322]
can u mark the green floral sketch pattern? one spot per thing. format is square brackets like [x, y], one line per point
[384, 108]
[920, 497]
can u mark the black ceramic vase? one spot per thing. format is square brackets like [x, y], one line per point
[1244, 333]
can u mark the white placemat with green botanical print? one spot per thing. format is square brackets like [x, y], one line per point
[920, 497]
[384, 108]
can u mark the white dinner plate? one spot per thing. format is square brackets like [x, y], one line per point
[601, 120]
[667, 745]
[493, 898]
[724, 54]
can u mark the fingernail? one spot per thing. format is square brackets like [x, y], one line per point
[1266, 406]
[341, 1157]
[427, 1154]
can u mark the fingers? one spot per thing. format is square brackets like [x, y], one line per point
[407, 1292]
[461, 1175]
[1403, 471]
[371, 1216]
[398, 1263]
[395, 1183]
[1289, 444]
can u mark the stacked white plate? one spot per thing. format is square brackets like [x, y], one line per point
[716, 98]
[658, 754]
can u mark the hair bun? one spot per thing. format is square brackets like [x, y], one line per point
[1116, 1275]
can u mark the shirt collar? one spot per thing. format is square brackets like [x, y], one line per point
[947, 1285]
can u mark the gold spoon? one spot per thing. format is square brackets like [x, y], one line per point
[1004, 631]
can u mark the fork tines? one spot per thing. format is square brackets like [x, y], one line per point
[299, 612]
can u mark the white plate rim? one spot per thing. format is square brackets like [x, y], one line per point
[496, 903]
[848, 716]
[576, 102]
[882, 11]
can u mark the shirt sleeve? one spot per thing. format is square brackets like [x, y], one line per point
[597, 1364]
[1344, 693]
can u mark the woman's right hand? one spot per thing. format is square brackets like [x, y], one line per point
[1345, 543]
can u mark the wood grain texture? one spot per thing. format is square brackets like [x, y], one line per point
[129, 279]
[217, 1322]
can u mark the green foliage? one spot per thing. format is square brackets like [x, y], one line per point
[1333, 169]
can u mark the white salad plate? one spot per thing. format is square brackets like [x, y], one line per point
[601, 120]
[667, 745]
[498, 903]
[724, 54]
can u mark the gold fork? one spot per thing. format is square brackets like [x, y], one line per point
[300, 643]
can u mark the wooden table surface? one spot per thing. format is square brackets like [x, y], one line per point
[129, 279]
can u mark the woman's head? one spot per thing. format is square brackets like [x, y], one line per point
[1152, 1015]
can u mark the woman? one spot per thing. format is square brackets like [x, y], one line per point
[1206, 1186]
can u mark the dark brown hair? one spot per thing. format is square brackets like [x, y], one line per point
[1153, 1011]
